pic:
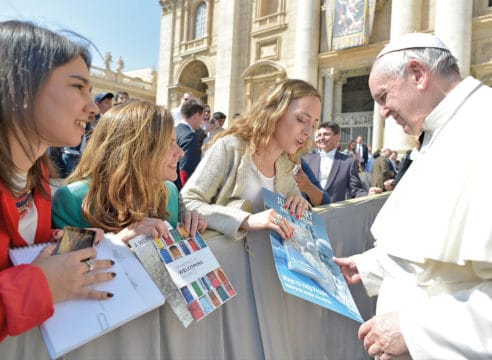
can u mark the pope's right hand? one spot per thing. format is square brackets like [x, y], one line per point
[349, 269]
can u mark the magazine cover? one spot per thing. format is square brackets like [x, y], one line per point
[305, 263]
[199, 284]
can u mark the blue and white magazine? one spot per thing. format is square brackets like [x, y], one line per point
[305, 263]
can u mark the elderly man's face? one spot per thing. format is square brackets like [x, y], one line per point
[400, 99]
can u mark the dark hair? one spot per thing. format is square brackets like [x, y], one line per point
[28, 55]
[219, 115]
[330, 125]
[191, 107]
[119, 93]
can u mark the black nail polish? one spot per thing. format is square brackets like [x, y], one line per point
[113, 274]
[112, 262]
[109, 295]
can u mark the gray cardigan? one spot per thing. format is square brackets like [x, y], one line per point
[217, 183]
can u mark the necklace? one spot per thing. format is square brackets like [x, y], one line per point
[24, 203]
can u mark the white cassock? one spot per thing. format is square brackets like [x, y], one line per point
[433, 256]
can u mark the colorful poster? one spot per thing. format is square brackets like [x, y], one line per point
[194, 271]
[349, 22]
[305, 263]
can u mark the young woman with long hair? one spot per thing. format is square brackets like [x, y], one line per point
[123, 183]
[45, 101]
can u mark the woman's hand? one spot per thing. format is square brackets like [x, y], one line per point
[269, 220]
[69, 275]
[58, 234]
[147, 226]
[296, 204]
[194, 221]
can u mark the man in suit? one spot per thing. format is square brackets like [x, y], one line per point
[361, 152]
[187, 139]
[337, 173]
[382, 169]
[176, 112]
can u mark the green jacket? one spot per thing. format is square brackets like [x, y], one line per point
[67, 205]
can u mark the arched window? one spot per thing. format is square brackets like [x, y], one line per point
[200, 21]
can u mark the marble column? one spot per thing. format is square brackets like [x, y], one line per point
[453, 25]
[227, 74]
[338, 93]
[328, 95]
[405, 18]
[377, 129]
[164, 76]
[307, 40]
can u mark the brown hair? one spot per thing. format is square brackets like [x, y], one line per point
[128, 144]
[28, 55]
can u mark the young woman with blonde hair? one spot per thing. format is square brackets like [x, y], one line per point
[123, 183]
[260, 150]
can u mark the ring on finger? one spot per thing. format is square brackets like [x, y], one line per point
[90, 264]
[277, 220]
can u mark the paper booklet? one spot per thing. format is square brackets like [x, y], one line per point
[305, 263]
[76, 322]
[186, 271]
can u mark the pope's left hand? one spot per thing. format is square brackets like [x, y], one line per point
[382, 336]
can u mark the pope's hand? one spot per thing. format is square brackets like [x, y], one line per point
[382, 336]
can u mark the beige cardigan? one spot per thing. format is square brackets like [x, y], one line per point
[217, 183]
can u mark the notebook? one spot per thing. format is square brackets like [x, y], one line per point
[77, 322]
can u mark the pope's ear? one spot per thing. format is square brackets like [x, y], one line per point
[418, 73]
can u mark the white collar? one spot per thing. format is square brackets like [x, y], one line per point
[449, 105]
[330, 154]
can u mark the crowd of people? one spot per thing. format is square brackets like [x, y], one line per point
[131, 166]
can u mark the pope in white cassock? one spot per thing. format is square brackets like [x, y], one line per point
[432, 264]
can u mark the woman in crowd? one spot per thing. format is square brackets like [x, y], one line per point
[45, 101]
[123, 182]
[350, 150]
[261, 150]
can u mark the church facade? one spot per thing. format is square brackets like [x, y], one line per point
[227, 52]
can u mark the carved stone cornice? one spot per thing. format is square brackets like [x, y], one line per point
[354, 119]
[167, 6]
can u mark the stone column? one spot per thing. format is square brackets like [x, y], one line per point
[328, 95]
[210, 82]
[377, 129]
[338, 93]
[165, 53]
[405, 18]
[186, 22]
[453, 23]
[227, 75]
[307, 40]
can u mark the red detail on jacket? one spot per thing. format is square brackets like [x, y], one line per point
[25, 297]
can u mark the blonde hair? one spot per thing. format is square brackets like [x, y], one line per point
[127, 146]
[258, 124]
